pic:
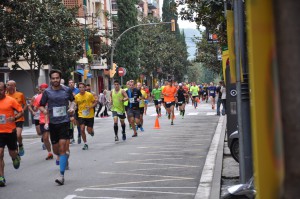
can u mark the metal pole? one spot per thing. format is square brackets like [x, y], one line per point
[238, 88]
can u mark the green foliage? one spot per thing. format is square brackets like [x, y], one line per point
[199, 74]
[41, 33]
[207, 55]
[127, 50]
[208, 13]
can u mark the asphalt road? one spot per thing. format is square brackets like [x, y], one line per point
[159, 163]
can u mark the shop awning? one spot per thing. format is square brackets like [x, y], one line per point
[80, 71]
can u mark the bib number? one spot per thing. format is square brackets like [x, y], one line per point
[159, 100]
[168, 102]
[86, 112]
[212, 92]
[59, 111]
[2, 119]
[131, 100]
[180, 102]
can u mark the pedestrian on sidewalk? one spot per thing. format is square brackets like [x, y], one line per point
[219, 93]
[223, 90]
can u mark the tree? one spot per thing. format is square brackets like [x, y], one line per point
[208, 13]
[207, 55]
[44, 33]
[127, 50]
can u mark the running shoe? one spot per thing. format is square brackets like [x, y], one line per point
[73, 141]
[134, 135]
[92, 133]
[57, 162]
[49, 157]
[16, 162]
[2, 181]
[79, 140]
[21, 151]
[60, 180]
[142, 129]
[172, 123]
[123, 136]
[116, 138]
[85, 147]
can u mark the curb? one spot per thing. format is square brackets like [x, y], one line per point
[210, 181]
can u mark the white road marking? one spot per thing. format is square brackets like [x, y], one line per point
[70, 197]
[137, 174]
[99, 197]
[160, 164]
[127, 183]
[164, 155]
[211, 113]
[192, 113]
[141, 191]
[168, 168]
[155, 187]
[150, 160]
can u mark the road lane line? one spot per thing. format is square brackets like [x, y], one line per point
[186, 166]
[150, 160]
[137, 174]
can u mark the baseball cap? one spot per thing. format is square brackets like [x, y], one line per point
[44, 85]
[180, 84]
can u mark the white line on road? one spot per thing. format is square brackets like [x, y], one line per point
[70, 197]
[211, 113]
[187, 166]
[155, 187]
[95, 197]
[168, 168]
[150, 160]
[137, 174]
[141, 191]
[193, 113]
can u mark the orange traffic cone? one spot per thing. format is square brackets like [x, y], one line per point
[156, 125]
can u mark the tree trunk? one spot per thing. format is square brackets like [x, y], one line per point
[288, 49]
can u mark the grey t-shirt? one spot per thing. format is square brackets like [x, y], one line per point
[58, 103]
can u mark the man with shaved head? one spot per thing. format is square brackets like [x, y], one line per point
[12, 92]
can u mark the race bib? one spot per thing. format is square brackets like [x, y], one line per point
[2, 119]
[212, 91]
[86, 112]
[180, 102]
[59, 111]
[159, 100]
[131, 100]
[168, 102]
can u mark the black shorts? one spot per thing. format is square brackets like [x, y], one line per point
[133, 112]
[76, 115]
[42, 128]
[71, 133]
[142, 109]
[126, 108]
[36, 122]
[162, 100]
[194, 97]
[122, 116]
[59, 131]
[180, 103]
[169, 104]
[19, 124]
[9, 140]
[157, 102]
[213, 96]
[89, 122]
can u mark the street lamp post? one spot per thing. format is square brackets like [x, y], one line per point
[148, 24]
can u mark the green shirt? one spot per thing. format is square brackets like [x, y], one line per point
[194, 90]
[156, 93]
[118, 104]
[126, 102]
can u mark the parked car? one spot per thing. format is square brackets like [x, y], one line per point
[233, 144]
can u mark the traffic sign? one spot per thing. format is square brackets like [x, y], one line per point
[121, 71]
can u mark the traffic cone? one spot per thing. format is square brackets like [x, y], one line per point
[156, 125]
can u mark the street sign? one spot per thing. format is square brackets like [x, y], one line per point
[121, 71]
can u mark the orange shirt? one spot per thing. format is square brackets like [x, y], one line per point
[7, 107]
[21, 100]
[171, 92]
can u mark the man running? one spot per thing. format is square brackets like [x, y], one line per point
[181, 95]
[133, 111]
[156, 93]
[169, 93]
[162, 97]
[44, 122]
[11, 92]
[212, 94]
[118, 97]
[194, 89]
[86, 103]
[8, 135]
[146, 89]
[58, 98]
[75, 91]
[141, 105]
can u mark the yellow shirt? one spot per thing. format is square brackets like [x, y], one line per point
[142, 101]
[82, 101]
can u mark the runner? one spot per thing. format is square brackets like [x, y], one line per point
[86, 103]
[187, 89]
[44, 122]
[205, 92]
[219, 93]
[133, 111]
[194, 89]
[8, 135]
[169, 93]
[146, 89]
[58, 98]
[75, 91]
[181, 96]
[141, 105]
[118, 97]
[212, 94]
[162, 96]
[11, 92]
[156, 93]
[176, 102]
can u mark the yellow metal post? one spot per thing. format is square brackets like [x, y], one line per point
[265, 106]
